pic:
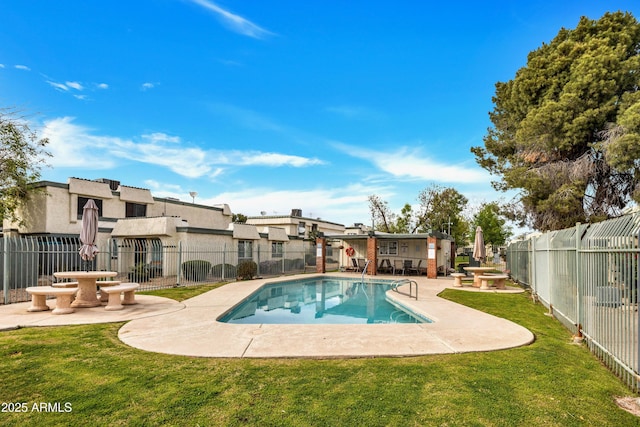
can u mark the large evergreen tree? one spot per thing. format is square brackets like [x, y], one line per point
[566, 129]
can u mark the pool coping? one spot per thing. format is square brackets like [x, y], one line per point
[193, 330]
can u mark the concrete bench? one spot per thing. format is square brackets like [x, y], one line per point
[496, 279]
[65, 285]
[114, 292]
[104, 297]
[64, 296]
[457, 279]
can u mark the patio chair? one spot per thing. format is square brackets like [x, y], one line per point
[385, 266]
[361, 264]
[420, 270]
[351, 265]
[354, 265]
[408, 267]
[398, 265]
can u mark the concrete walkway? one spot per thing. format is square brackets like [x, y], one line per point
[190, 328]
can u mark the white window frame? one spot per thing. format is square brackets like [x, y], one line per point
[388, 247]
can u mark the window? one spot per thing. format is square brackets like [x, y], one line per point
[277, 250]
[302, 228]
[134, 210]
[83, 201]
[245, 249]
[388, 248]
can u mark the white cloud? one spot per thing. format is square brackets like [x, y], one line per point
[58, 86]
[147, 86]
[343, 205]
[1, 65]
[22, 67]
[255, 158]
[102, 86]
[74, 85]
[412, 163]
[161, 137]
[74, 145]
[235, 23]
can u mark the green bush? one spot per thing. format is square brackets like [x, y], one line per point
[196, 270]
[271, 267]
[229, 270]
[293, 265]
[310, 259]
[247, 270]
[139, 273]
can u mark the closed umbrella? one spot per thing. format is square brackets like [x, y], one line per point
[479, 251]
[89, 231]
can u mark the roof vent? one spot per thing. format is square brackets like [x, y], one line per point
[296, 212]
[113, 184]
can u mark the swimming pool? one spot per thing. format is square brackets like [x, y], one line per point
[321, 300]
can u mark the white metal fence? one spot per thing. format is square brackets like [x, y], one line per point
[588, 278]
[31, 261]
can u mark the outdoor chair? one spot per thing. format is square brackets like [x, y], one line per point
[408, 267]
[398, 265]
[385, 266]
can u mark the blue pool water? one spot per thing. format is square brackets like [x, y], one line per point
[320, 301]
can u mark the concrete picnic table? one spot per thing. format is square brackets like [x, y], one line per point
[87, 286]
[477, 271]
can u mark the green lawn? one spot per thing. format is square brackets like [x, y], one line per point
[87, 370]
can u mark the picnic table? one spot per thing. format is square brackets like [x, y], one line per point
[87, 285]
[477, 272]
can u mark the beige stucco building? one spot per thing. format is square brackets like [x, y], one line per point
[136, 228]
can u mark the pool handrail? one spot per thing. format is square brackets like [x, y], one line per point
[396, 283]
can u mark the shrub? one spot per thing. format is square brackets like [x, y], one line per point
[294, 264]
[229, 270]
[271, 267]
[196, 270]
[310, 259]
[139, 273]
[247, 269]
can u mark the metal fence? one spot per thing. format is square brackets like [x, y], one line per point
[588, 278]
[154, 264]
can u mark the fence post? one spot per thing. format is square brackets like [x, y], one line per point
[5, 268]
[224, 259]
[179, 275]
[284, 257]
[259, 246]
[533, 265]
[578, 336]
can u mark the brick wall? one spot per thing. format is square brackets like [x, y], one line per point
[372, 255]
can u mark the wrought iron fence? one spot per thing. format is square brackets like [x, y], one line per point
[588, 277]
[153, 263]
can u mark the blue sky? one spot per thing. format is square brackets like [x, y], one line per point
[272, 105]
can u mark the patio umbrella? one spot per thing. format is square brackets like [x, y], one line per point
[89, 231]
[479, 251]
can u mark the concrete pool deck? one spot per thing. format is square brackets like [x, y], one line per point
[190, 328]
